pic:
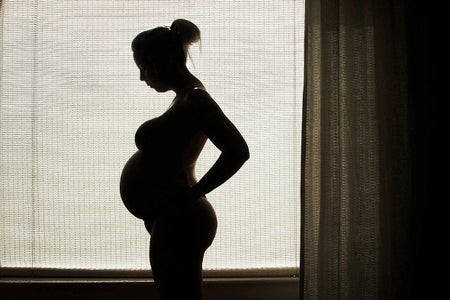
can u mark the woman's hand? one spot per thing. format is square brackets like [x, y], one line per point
[183, 195]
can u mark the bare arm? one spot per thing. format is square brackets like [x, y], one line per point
[225, 136]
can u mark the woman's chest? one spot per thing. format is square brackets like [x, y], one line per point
[171, 130]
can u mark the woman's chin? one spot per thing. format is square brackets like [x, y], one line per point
[160, 89]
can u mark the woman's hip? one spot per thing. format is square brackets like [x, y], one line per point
[194, 223]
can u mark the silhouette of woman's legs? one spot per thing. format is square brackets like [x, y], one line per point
[177, 274]
[179, 239]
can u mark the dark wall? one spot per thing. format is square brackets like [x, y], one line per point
[429, 135]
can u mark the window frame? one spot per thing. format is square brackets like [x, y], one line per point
[112, 274]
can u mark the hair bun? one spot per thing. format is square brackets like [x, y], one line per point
[188, 32]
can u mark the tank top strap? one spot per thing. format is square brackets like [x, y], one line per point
[192, 90]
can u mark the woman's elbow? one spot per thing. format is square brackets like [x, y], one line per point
[246, 154]
[238, 153]
[243, 153]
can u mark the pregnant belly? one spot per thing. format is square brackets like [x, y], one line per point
[140, 188]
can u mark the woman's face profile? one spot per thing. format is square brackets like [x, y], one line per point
[149, 73]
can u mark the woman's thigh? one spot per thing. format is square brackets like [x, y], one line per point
[179, 239]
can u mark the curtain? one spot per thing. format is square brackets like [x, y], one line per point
[356, 172]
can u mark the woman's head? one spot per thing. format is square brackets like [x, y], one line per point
[162, 46]
[161, 53]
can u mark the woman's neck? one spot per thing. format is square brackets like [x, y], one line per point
[184, 79]
[185, 83]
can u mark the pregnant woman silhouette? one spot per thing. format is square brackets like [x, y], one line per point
[158, 183]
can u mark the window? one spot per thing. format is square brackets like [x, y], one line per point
[71, 100]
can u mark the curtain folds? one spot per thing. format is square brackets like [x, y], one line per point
[356, 157]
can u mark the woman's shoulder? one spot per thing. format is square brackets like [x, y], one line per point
[198, 94]
[200, 99]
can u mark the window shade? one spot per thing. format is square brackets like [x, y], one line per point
[71, 101]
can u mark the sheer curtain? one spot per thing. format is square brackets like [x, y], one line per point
[356, 209]
[71, 101]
